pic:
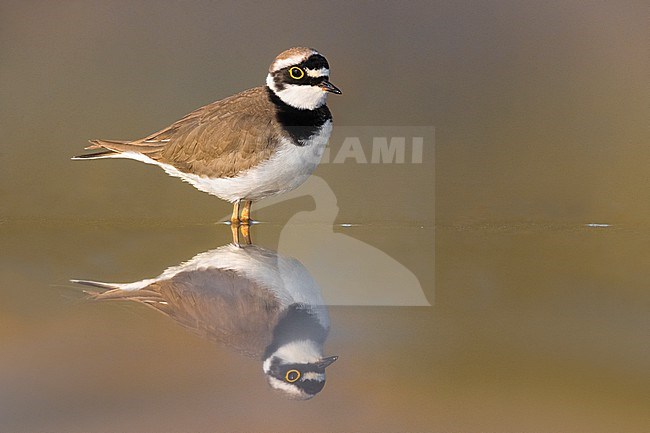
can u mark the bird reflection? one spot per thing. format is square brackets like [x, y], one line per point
[252, 299]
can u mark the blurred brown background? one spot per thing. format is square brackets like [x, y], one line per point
[540, 108]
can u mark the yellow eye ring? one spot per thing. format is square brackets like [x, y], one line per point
[292, 376]
[296, 73]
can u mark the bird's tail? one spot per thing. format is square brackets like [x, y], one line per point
[116, 290]
[107, 290]
[95, 155]
[123, 292]
[97, 284]
[115, 149]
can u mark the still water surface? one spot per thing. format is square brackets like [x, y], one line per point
[531, 327]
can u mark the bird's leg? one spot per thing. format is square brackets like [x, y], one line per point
[246, 212]
[244, 239]
[245, 232]
[234, 228]
[234, 219]
[241, 223]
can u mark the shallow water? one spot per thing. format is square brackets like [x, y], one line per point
[524, 329]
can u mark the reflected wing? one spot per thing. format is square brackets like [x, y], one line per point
[217, 304]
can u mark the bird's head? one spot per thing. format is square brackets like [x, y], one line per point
[300, 78]
[296, 371]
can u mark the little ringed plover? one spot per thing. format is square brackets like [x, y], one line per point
[257, 143]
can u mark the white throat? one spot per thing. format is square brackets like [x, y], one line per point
[301, 97]
[301, 352]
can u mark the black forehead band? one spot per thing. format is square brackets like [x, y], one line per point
[315, 61]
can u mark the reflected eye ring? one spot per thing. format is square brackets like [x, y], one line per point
[296, 73]
[292, 375]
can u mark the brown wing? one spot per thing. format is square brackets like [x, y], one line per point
[217, 140]
[219, 305]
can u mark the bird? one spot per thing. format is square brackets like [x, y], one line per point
[260, 303]
[257, 143]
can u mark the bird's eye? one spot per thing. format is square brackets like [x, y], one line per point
[292, 376]
[296, 73]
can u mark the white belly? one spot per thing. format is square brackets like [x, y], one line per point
[284, 171]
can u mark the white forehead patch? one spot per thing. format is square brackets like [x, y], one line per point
[322, 72]
[290, 61]
[311, 375]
